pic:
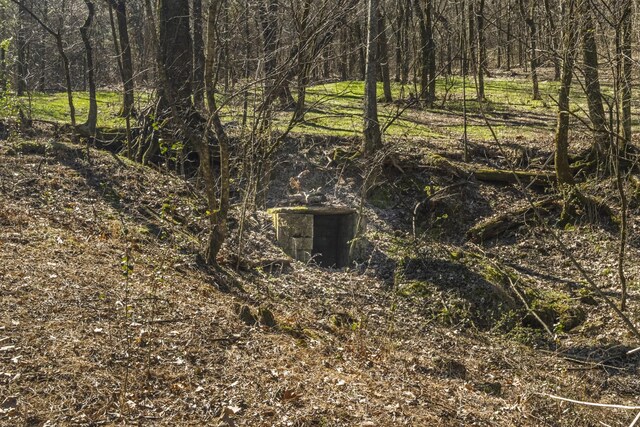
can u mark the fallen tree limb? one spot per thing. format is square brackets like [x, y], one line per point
[635, 350]
[528, 178]
[599, 405]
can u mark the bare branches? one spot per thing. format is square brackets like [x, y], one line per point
[599, 405]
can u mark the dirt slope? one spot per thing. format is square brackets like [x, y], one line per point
[81, 343]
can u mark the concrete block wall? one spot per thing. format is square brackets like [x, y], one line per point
[294, 232]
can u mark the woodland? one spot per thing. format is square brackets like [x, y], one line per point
[319, 213]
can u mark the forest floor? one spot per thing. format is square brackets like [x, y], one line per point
[108, 315]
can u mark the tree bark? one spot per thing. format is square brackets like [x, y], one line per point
[92, 120]
[554, 42]
[592, 81]
[67, 75]
[427, 53]
[529, 19]
[277, 87]
[3, 59]
[3, 71]
[482, 50]
[218, 207]
[361, 44]
[471, 39]
[21, 47]
[124, 48]
[175, 52]
[399, 40]
[42, 53]
[303, 62]
[627, 66]
[384, 59]
[563, 170]
[431, 65]
[198, 56]
[372, 135]
[509, 39]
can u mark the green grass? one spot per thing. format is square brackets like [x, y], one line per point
[336, 109]
[55, 106]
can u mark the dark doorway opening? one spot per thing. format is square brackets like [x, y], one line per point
[332, 235]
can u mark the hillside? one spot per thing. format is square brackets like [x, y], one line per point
[108, 315]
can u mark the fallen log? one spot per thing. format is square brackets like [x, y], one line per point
[445, 166]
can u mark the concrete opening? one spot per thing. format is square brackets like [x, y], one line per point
[331, 237]
[321, 233]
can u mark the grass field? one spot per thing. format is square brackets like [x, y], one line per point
[336, 109]
[55, 107]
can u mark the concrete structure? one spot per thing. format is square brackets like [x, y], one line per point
[324, 233]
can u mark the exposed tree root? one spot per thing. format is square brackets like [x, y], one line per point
[579, 207]
[499, 224]
[529, 178]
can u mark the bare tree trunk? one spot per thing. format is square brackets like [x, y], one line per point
[114, 36]
[427, 53]
[471, 39]
[67, 75]
[372, 135]
[499, 30]
[563, 171]
[362, 51]
[303, 62]
[3, 59]
[449, 33]
[175, 51]
[384, 59]
[554, 43]
[509, 40]
[482, 51]
[210, 57]
[126, 61]
[3, 71]
[424, 51]
[3, 55]
[623, 137]
[92, 120]
[277, 87]
[627, 65]
[431, 65]
[42, 52]
[21, 45]
[404, 78]
[218, 208]
[399, 39]
[198, 56]
[592, 81]
[529, 18]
